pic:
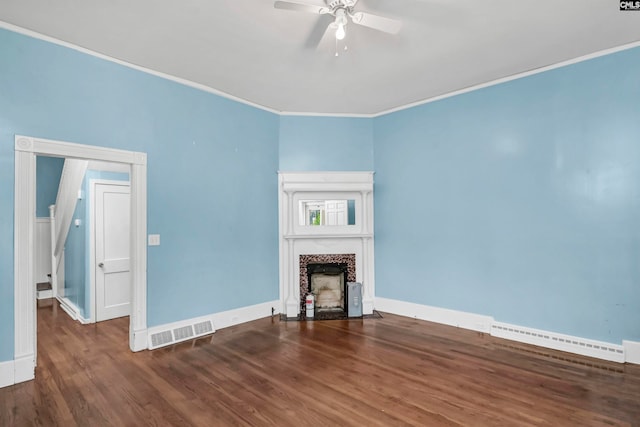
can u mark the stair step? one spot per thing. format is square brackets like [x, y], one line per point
[43, 286]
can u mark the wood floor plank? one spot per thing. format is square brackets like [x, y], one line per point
[392, 371]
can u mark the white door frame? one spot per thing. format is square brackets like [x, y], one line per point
[92, 240]
[26, 150]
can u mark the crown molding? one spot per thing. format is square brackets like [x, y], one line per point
[512, 77]
[220, 93]
[179, 80]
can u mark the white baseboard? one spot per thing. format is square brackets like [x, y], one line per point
[555, 341]
[631, 351]
[628, 352]
[224, 319]
[72, 310]
[7, 373]
[459, 319]
[184, 330]
[25, 368]
[17, 371]
[68, 307]
[138, 340]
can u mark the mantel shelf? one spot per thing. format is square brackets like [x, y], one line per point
[328, 236]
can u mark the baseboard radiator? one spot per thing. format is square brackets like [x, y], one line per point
[582, 346]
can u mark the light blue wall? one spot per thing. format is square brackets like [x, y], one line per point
[48, 172]
[326, 143]
[520, 201]
[212, 162]
[517, 201]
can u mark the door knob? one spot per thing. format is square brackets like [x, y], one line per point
[101, 265]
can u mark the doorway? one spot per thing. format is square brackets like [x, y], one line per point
[26, 150]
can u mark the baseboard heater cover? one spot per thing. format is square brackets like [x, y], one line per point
[174, 333]
[582, 346]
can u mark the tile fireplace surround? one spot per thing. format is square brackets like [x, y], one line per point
[300, 243]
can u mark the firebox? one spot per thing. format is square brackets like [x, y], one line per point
[327, 283]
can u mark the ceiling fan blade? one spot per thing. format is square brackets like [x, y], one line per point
[376, 22]
[301, 7]
[318, 32]
[328, 37]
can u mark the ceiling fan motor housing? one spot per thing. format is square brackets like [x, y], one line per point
[340, 4]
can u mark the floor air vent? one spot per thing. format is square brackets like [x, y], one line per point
[203, 328]
[179, 331]
[161, 338]
[183, 333]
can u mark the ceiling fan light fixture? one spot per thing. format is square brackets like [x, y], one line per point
[343, 13]
[340, 22]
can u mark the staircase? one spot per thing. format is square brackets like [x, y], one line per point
[44, 290]
[61, 215]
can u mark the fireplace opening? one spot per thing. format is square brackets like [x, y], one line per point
[327, 283]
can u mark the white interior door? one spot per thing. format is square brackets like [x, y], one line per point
[113, 279]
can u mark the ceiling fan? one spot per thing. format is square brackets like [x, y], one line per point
[343, 12]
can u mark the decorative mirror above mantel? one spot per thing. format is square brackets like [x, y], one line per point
[326, 203]
[325, 213]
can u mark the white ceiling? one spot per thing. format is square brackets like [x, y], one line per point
[252, 51]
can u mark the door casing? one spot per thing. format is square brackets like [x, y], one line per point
[26, 150]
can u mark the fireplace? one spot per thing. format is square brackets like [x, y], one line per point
[336, 244]
[327, 283]
[326, 276]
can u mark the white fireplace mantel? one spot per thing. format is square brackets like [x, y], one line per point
[297, 239]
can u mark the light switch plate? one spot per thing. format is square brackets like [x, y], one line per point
[154, 240]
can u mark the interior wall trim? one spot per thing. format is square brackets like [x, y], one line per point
[204, 88]
[236, 316]
[7, 373]
[459, 319]
[185, 82]
[516, 76]
[23, 370]
[222, 319]
[631, 351]
[72, 310]
[26, 150]
[555, 341]
[486, 324]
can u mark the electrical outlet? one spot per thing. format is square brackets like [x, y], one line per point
[154, 240]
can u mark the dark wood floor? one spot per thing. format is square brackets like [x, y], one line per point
[389, 371]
